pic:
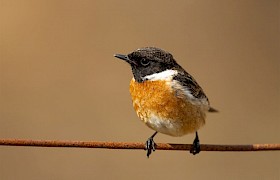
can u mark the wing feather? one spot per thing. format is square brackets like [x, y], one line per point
[186, 87]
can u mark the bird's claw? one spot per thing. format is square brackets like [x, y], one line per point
[195, 149]
[150, 146]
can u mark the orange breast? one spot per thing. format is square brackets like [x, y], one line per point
[157, 99]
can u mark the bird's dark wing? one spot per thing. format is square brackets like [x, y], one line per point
[188, 88]
[189, 84]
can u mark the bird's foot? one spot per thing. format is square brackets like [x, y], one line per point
[195, 149]
[150, 145]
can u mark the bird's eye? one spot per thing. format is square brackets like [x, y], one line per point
[145, 62]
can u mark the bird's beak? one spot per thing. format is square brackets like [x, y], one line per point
[124, 57]
[121, 56]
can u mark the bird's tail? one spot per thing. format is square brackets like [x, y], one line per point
[212, 110]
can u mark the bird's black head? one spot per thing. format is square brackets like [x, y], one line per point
[147, 61]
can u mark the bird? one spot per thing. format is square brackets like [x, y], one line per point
[165, 96]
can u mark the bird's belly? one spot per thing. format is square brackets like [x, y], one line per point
[160, 109]
[165, 126]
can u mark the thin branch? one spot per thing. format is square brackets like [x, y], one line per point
[128, 145]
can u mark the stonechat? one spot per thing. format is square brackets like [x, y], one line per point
[165, 97]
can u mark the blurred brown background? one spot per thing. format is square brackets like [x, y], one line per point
[60, 81]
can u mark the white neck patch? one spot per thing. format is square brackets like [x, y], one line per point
[164, 75]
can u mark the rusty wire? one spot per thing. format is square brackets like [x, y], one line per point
[135, 145]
